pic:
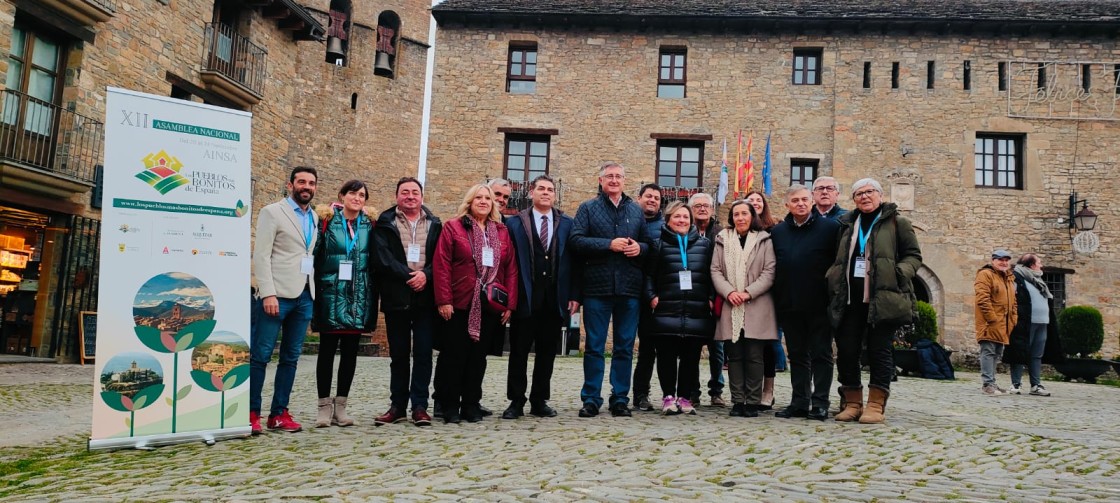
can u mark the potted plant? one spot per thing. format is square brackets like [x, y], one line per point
[1116, 363]
[924, 328]
[1081, 330]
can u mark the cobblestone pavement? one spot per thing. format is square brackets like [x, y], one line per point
[942, 441]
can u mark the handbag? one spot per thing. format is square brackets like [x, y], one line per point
[717, 306]
[495, 298]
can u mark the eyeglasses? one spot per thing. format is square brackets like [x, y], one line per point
[863, 193]
[825, 189]
[613, 177]
[1003, 259]
[702, 206]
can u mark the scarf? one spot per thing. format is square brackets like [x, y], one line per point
[736, 259]
[486, 275]
[1035, 278]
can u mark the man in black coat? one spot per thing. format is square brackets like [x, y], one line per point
[549, 295]
[610, 238]
[804, 246]
[405, 242]
[649, 198]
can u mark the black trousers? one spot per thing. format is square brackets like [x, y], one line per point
[678, 364]
[853, 333]
[647, 355]
[540, 330]
[324, 363]
[461, 365]
[809, 347]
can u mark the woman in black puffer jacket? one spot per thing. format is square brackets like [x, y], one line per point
[679, 290]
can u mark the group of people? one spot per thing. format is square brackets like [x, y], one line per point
[1015, 322]
[677, 277]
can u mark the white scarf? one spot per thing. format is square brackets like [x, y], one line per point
[736, 259]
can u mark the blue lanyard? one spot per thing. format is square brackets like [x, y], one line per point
[684, 253]
[349, 238]
[863, 237]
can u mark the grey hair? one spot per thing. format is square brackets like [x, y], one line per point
[795, 188]
[822, 178]
[498, 182]
[699, 195]
[863, 182]
[612, 164]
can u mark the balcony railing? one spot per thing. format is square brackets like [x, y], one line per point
[46, 136]
[233, 56]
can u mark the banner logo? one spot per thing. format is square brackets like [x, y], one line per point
[162, 172]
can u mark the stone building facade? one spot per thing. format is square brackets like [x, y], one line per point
[923, 97]
[269, 57]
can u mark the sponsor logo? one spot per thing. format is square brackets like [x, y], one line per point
[125, 228]
[202, 234]
[194, 251]
[165, 250]
[227, 254]
[120, 246]
[162, 172]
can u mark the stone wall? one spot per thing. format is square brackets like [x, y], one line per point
[598, 88]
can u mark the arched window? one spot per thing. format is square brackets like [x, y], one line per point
[338, 32]
[388, 36]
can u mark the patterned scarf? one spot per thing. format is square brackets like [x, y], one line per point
[1035, 278]
[736, 259]
[486, 275]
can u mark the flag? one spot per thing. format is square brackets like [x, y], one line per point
[739, 166]
[721, 195]
[748, 167]
[766, 186]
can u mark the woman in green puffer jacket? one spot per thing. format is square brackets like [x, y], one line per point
[346, 303]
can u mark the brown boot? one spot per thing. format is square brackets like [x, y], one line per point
[851, 403]
[323, 419]
[340, 418]
[876, 404]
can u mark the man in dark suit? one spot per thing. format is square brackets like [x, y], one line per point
[550, 293]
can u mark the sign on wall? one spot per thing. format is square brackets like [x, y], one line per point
[173, 319]
[1079, 90]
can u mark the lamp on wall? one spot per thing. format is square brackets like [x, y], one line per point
[1084, 219]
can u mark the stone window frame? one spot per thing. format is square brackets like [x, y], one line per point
[799, 164]
[679, 179]
[525, 172]
[522, 81]
[667, 79]
[999, 151]
[808, 65]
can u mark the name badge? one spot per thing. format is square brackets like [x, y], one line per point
[307, 265]
[345, 270]
[487, 257]
[861, 268]
[413, 254]
[686, 280]
[575, 321]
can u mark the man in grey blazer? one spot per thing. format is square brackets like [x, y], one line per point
[283, 266]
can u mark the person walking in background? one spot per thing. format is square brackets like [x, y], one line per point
[474, 253]
[1035, 327]
[870, 297]
[703, 208]
[649, 199]
[609, 238]
[346, 302]
[996, 314]
[771, 353]
[404, 243]
[743, 273]
[679, 289]
[549, 293]
[284, 267]
[804, 245]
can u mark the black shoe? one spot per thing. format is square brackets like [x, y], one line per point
[750, 411]
[437, 410]
[818, 413]
[641, 402]
[513, 412]
[451, 418]
[620, 410]
[483, 411]
[588, 410]
[766, 406]
[471, 414]
[789, 412]
[542, 410]
[738, 410]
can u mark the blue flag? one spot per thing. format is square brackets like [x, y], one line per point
[766, 186]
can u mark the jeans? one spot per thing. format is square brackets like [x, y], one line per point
[716, 359]
[292, 320]
[1038, 347]
[410, 334]
[852, 334]
[597, 312]
[809, 338]
[990, 354]
[780, 363]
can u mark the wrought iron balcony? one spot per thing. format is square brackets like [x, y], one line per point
[86, 12]
[46, 148]
[234, 67]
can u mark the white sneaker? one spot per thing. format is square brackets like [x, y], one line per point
[1015, 390]
[1039, 391]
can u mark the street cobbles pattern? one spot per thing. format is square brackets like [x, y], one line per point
[942, 441]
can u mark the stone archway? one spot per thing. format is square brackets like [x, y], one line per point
[928, 288]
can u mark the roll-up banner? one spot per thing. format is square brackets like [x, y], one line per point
[173, 302]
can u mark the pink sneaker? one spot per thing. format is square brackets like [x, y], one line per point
[283, 422]
[255, 422]
[685, 406]
[669, 406]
